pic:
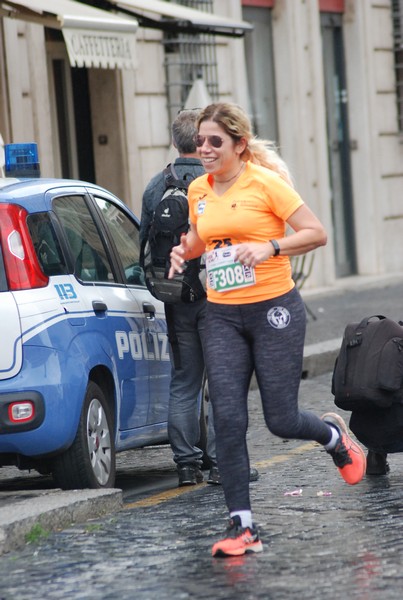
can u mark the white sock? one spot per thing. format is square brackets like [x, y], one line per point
[333, 440]
[244, 515]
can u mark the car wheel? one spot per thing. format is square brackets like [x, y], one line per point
[90, 462]
[202, 443]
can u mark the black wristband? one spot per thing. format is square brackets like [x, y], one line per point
[276, 247]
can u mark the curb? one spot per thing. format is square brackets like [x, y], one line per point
[53, 511]
[320, 358]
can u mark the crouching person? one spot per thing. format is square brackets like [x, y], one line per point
[380, 430]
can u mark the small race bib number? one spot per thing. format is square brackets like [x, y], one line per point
[224, 273]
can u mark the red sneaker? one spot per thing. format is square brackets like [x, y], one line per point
[348, 456]
[238, 540]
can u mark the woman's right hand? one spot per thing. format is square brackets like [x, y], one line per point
[177, 255]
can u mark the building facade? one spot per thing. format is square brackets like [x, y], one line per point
[323, 78]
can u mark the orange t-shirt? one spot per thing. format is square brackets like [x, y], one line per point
[254, 209]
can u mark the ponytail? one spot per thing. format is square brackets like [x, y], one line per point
[264, 153]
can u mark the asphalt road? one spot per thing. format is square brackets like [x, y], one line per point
[321, 537]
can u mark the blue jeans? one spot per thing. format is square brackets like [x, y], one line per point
[185, 322]
[211, 449]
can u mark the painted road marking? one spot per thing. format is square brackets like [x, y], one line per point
[164, 496]
[169, 494]
[279, 458]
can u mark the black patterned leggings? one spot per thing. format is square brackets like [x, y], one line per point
[267, 337]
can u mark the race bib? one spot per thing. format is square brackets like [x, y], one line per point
[224, 273]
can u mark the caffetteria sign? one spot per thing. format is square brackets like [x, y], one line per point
[103, 49]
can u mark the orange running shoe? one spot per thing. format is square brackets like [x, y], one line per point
[238, 540]
[348, 456]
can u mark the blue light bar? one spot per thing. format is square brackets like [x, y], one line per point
[22, 160]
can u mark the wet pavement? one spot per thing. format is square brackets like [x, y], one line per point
[327, 540]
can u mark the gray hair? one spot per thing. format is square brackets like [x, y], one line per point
[184, 130]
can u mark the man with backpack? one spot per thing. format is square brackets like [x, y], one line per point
[185, 310]
[185, 319]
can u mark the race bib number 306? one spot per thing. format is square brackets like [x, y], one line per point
[224, 273]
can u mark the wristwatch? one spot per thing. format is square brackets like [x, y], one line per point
[276, 247]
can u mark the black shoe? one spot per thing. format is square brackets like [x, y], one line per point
[377, 463]
[215, 479]
[253, 474]
[214, 476]
[189, 475]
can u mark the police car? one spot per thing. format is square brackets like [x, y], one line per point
[84, 363]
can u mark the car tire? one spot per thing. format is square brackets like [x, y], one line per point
[203, 421]
[90, 462]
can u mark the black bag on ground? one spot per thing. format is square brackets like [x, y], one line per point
[170, 219]
[369, 368]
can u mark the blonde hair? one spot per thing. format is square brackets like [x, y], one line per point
[236, 123]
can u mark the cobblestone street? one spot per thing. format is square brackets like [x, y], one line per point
[330, 541]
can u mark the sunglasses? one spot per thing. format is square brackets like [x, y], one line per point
[214, 140]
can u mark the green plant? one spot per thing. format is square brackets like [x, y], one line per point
[36, 533]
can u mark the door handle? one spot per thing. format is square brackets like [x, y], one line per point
[149, 310]
[99, 306]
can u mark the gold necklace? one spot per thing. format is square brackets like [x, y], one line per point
[231, 178]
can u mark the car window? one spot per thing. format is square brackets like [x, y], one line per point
[91, 262]
[125, 234]
[46, 244]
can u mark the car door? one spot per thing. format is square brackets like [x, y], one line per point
[151, 343]
[110, 316]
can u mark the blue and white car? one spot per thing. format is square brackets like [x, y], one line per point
[84, 362]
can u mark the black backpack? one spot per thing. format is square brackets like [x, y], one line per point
[369, 369]
[170, 219]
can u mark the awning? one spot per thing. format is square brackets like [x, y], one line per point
[170, 16]
[94, 37]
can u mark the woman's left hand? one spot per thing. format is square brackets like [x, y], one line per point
[253, 253]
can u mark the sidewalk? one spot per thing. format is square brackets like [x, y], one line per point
[41, 505]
